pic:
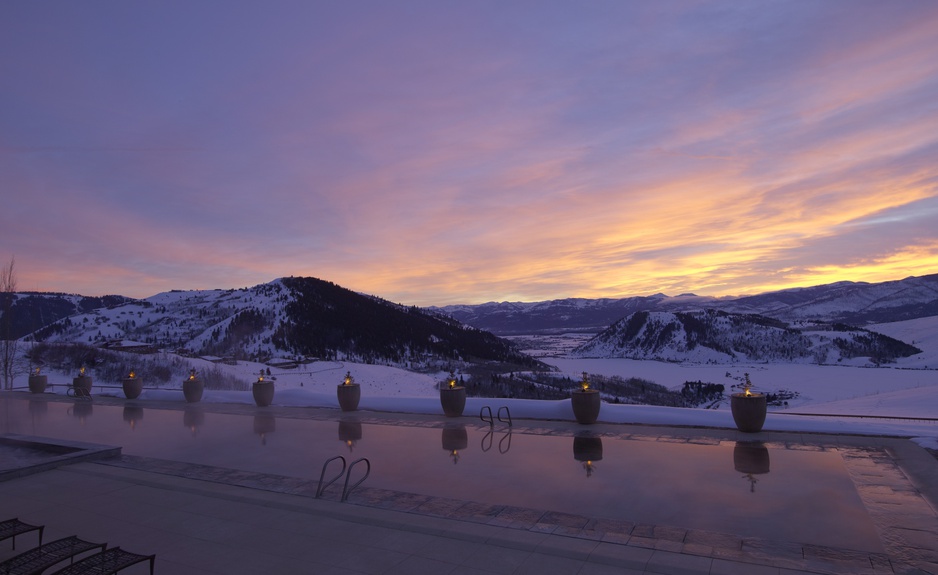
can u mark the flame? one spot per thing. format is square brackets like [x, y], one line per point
[589, 467]
[585, 384]
[348, 378]
[192, 375]
[81, 371]
[37, 371]
[452, 380]
[132, 374]
[748, 393]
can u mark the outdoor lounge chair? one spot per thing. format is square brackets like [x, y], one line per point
[106, 563]
[38, 559]
[13, 527]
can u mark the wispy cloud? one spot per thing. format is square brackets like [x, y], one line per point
[436, 154]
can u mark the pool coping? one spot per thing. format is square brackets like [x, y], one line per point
[69, 452]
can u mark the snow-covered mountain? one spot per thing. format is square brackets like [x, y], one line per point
[193, 320]
[854, 303]
[289, 317]
[312, 318]
[30, 311]
[712, 336]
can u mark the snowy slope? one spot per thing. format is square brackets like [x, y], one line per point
[175, 319]
[921, 332]
[713, 336]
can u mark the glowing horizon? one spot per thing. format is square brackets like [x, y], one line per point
[460, 154]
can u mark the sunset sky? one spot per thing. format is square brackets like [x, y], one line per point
[434, 152]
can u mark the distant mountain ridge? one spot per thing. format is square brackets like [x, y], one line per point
[294, 317]
[289, 317]
[854, 303]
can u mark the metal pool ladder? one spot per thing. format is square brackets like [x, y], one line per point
[490, 420]
[347, 471]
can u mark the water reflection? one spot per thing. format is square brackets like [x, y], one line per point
[193, 418]
[132, 414]
[504, 444]
[264, 423]
[588, 449]
[350, 432]
[751, 458]
[81, 410]
[38, 408]
[455, 439]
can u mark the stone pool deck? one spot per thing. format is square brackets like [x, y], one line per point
[202, 519]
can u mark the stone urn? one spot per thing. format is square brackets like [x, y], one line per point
[132, 414]
[38, 383]
[751, 458]
[350, 432]
[348, 393]
[132, 385]
[748, 411]
[586, 404]
[455, 438]
[193, 418]
[264, 423]
[38, 407]
[81, 384]
[587, 450]
[81, 410]
[452, 397]
[192, 388]
[263, 392]
[453, 400]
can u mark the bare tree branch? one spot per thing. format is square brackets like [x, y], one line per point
[7, 340]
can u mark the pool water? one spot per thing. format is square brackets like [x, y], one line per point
[749, 489]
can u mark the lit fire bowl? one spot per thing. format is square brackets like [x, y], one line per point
[82, 385]
[263, 392]
[586, 404]
[350, 432]
[751, 457]
[349, 394]
[587, 448]
[38, 383]
[453, 400]
[455, 437]
[748, 411]
[132, 387]
[192, 389]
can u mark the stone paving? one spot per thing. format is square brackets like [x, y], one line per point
[896, 480]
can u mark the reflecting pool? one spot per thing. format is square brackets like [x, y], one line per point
[745, 488]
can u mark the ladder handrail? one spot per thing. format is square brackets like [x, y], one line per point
[490, 420]
[346, 490]
[507, 412]
[488, 435]
[322, 487]
[504, 449]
